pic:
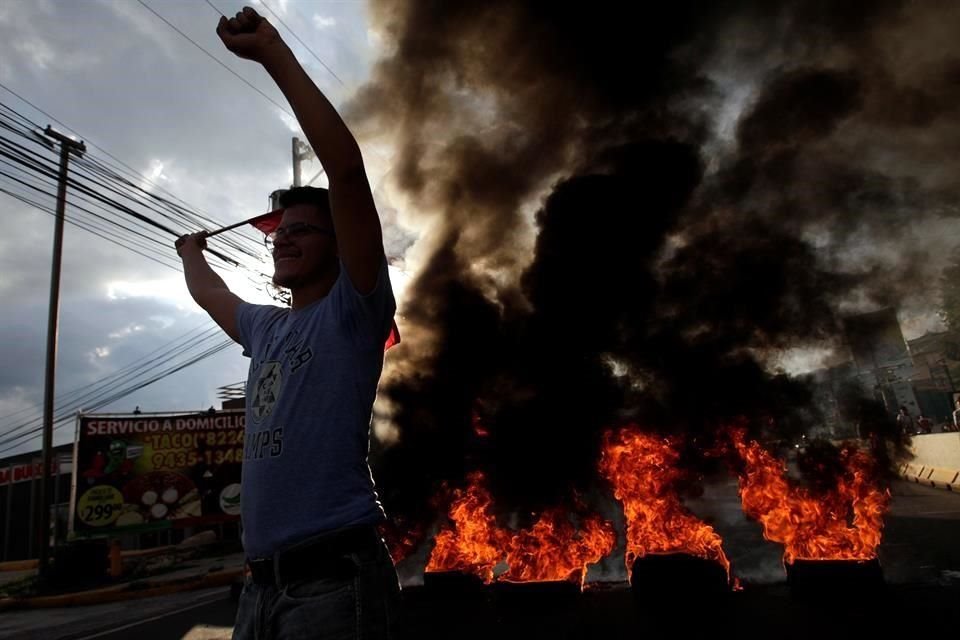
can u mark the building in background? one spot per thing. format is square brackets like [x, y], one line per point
[936, 363]
[918, 374]
[20, 477]
[881, 359]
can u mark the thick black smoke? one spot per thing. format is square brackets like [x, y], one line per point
[715, 183]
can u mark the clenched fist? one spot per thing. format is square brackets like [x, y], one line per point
[249, 35]
[191, 242]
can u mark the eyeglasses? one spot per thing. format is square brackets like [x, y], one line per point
[292, 232]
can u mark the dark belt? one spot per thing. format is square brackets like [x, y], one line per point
[327, 556]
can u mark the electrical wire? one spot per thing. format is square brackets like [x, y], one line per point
[280, 20]
[217, 60]
[98, 401]
[132, 366]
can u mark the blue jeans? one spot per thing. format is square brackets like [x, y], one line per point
[364, 607]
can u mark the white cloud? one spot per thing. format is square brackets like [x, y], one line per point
[126, 332]
[163, 322]
[289, 121]
[36, 51]
[399, 280]
[280, 6]
[323, 22]
[147, 25]
[15, 402]
[142, 93]
[170, 290]
[154, 175]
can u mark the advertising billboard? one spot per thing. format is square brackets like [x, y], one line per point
[142, 472]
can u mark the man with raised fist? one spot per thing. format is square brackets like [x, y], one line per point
[317, 566]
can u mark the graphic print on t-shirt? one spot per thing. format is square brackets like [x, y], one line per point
[267, 390]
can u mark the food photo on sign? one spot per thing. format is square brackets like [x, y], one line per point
[153, 471]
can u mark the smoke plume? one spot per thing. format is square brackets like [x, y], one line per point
[628, 212]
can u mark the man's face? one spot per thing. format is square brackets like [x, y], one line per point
[303, 258]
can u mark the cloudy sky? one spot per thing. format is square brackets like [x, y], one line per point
[481, 144]
[116, 76]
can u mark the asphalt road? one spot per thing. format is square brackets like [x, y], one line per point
[920, 558]
[208, 619]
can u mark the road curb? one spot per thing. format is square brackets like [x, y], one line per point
[128, 591]
[130, 554]
[938, 478]
[18, 565]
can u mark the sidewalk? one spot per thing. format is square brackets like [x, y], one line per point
[196, 573]
[52, 616]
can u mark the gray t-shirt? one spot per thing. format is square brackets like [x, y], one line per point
[313, 378]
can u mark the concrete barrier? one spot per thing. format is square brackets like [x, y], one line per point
[936, 462]
[942, 478]
[940, 450]
[910, 471]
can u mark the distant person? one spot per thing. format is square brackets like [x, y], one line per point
[905, 421]
[956, 415]
[318, 567]
[924, 424]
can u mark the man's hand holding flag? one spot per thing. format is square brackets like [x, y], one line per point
[266, 223]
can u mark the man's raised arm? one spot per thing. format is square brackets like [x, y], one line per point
[359, 237]
[207, 288]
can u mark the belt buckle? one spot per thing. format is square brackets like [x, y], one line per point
[262, 570]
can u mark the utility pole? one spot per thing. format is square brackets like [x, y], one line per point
[67, 145]
[301, 152]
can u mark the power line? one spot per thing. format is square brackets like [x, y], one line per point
[43, 182]
[126, 369]
[73, 205]
[130, 212]
[105, 190]
[125, 392]
[214, 7]
[280, 20]
[125, 189]
[178, 212]
[215, 59]
[96, 165]
[129, 169]
[98, 397]
[124, 241]
[31, 162]
[97, 390]
[88, 227]
[87, 195]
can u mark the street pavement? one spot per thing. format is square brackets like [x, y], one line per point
[920, 557]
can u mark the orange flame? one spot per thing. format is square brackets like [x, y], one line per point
[472, 543]
[401, 538]
[552, 549]
[642, 469]
[843, 524]
[555, 549]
